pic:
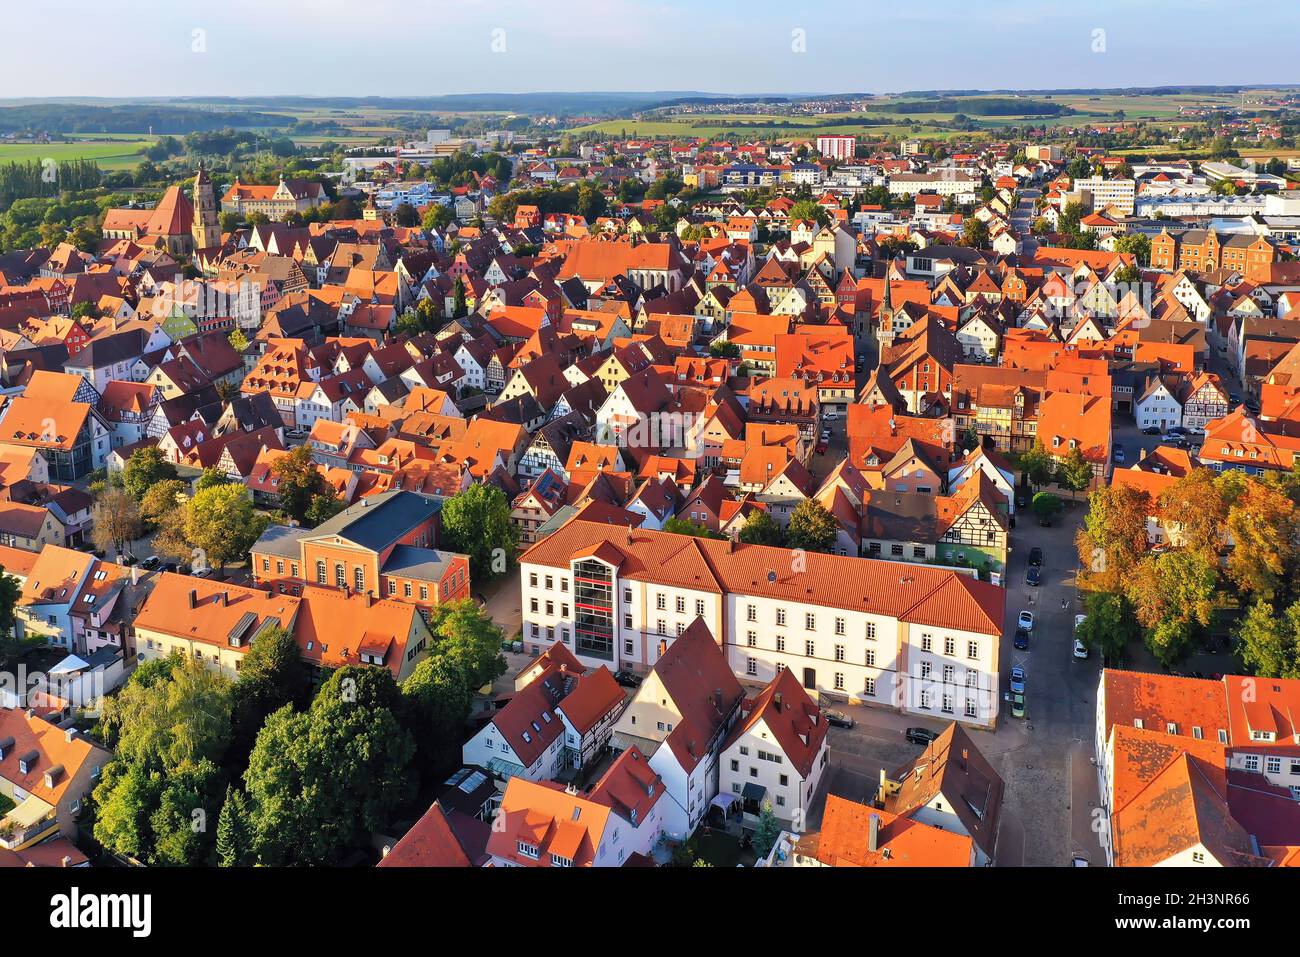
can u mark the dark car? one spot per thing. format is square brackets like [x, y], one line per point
[837, 719]
[1021, 640]
[627, 679]
[1045, 520]
[1151, 430]
[1035, 556]
[920, 735]
[151, 562]
[1033, 576]
[1022, 497]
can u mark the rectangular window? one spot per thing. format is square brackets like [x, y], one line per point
[810, 648]
[869, 687]
[751, 666]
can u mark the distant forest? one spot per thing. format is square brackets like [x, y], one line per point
[977, 106]
[75, 118]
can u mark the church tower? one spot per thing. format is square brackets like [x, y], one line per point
[207, 230]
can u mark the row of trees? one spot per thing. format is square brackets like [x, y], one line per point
[811, 528]
[1233, 544]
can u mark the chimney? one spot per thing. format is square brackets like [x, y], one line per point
[65, 861]
[194, 596]
[370, 598]
[70, 735]
[776, 702]
[873, 833]
[221, 598]
[663, 647]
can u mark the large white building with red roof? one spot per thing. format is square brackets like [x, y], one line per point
[919, 639]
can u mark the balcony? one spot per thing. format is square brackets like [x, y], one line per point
[26, 824]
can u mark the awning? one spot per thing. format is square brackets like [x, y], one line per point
[724, 801]
[753, 792]
[31, 811]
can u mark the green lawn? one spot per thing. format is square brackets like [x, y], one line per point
[112, 155]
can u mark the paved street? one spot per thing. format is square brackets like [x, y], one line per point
[1045, 759]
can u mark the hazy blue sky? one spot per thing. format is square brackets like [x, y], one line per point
[425, 47]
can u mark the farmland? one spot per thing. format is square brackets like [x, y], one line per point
[116, 153]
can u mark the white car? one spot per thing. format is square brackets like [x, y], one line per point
[1026, 621]
[1079, 620]
[1080, 649]
[830, 414]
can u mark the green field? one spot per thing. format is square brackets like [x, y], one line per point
[1089, 109]
[111, 155]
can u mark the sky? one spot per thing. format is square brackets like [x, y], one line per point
[430, 47]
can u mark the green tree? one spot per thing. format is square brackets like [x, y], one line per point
[1139, 244]
[169, 727]
[320, 781]
[10, 591]
[437, 218]
[234, 840]
[975, 233]
[300, 481]
[476, 522]
[222, 523]
[161, 500]
[684, 526]
[323, 507]
[182, 836]
[766, 831]
[144, 469]
[760, 528]
[211, 478]
[1270, 643]
[271, 675]
[810, 209]
[1110, 624]
[1045, 505]
[1074, 472]
[811, 527]
[439, 696]
[1038, 465]
[469, 639]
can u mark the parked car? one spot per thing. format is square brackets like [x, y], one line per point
[1032, 576]
[1021, 640]
[1045, 520]
[1022, 497]
[1151, 430]
[1035, 556]
[920, 735]
[1117, 454]
[1026, 621]
[627, 679]
[1079, 620]
[1017, 706]
[1078, 860]
[830, 414]
[1018, 680]
[837, 719]
[820, 447]
[1080, 649]
[151, 562]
